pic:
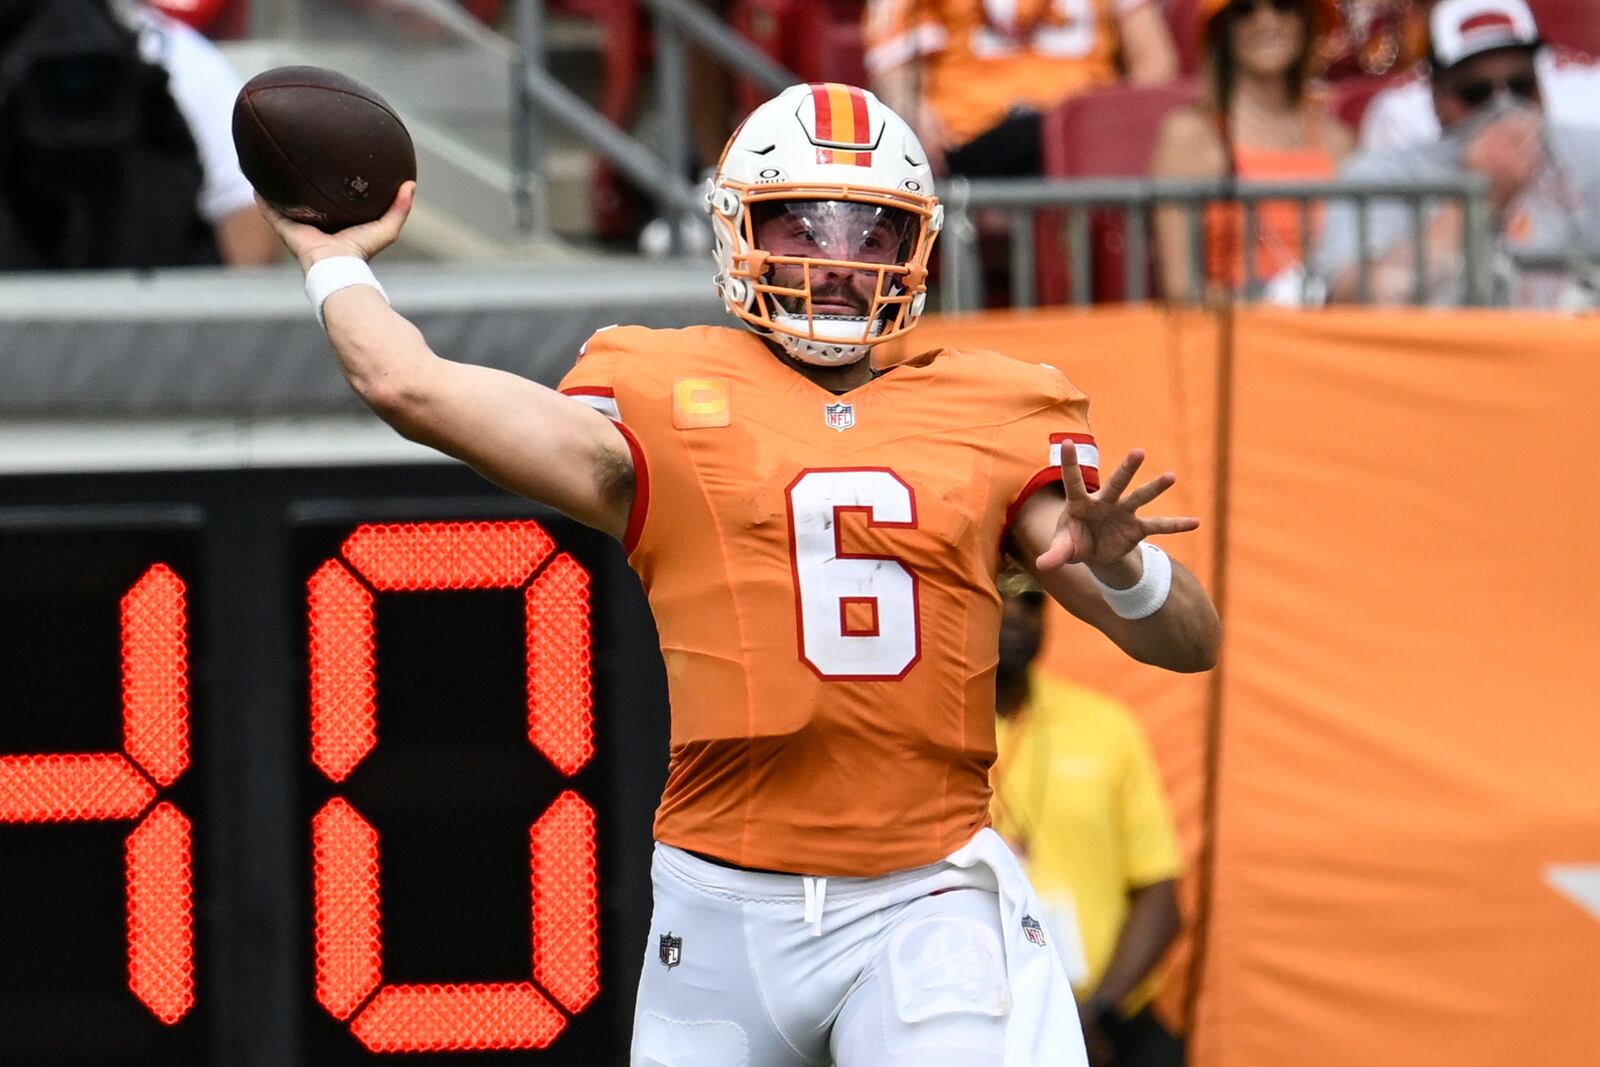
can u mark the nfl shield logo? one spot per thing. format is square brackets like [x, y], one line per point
[1032, 930]
[671, 950]
[839, 416]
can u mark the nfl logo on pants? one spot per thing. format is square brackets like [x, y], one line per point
[1030, 929]
[671, 950]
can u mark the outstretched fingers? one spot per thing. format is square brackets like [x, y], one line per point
[1149, 491]
[1061, 552]
[1169, 525]
[1071, 474]
[1122, 477]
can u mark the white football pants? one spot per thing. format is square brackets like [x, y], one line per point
[940, 966]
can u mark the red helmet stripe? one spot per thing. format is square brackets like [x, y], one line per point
[858, 115]
[841, 112]
[824, 111]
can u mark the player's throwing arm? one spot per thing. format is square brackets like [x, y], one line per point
[517, 433]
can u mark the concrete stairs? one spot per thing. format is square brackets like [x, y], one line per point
[452, 83]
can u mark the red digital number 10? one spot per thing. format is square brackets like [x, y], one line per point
[65, 787]
[97, 786]
[345, 866]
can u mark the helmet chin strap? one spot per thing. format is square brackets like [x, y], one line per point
[821, 351]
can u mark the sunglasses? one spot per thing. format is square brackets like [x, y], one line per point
[1243, 9]
[1480, 91]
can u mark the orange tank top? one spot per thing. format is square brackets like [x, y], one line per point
[1278, 245]
[821, 570]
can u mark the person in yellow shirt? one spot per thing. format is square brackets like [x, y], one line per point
[1078, 796]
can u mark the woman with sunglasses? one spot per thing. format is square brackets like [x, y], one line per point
[1258, 118]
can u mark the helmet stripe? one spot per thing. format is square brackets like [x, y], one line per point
[841, 113]
[821, 101]
[858, 112]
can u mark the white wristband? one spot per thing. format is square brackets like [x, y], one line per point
[328, 276]
[1145, 596]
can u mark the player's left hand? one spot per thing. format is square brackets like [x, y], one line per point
[1101, 528]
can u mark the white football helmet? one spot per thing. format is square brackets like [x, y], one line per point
[829, 171]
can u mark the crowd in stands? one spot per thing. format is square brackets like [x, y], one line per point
[1218, 90]
[1543, 173]
[1472, 88]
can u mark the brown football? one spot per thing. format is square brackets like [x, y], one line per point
[320, 147]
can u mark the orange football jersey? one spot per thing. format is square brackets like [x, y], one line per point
[821, 569]
[982, 58]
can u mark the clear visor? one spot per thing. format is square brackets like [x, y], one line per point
[838, 230]
[812, 246]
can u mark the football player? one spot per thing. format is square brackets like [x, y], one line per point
[819, 535]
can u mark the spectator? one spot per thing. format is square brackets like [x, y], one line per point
[1544, 177]
[204, 84]
[974, 76]
[1257, 119]
[1078, 796]
[1402, 115]
[98, 167]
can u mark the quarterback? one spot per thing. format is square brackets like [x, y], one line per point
[819, 534]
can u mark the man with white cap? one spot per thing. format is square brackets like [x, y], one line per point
[1543, 176]
[1402, 115]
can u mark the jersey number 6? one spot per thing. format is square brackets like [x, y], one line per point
[858, 614]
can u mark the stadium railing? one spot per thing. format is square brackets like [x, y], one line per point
[1045, 210]
[662, 172]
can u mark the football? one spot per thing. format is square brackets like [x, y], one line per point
[320, 147]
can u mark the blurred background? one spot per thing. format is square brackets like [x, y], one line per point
[1334, 262]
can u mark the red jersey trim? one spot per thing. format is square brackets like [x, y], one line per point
[641, 470]
[1048, 476]
[641, 492]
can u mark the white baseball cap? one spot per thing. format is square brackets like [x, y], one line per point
[1461, 29]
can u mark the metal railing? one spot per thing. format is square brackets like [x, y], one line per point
[1077, 203]
[661, 172]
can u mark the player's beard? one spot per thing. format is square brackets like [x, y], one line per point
[845, 291]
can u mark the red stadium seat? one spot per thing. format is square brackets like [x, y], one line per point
[820, 40]
[214, 18]
[196, 13]
[626, 48]
[485, 11]
[1183, 21]
[1106, 134]
[1573, 24]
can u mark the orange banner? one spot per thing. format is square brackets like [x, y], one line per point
[1406, 763]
